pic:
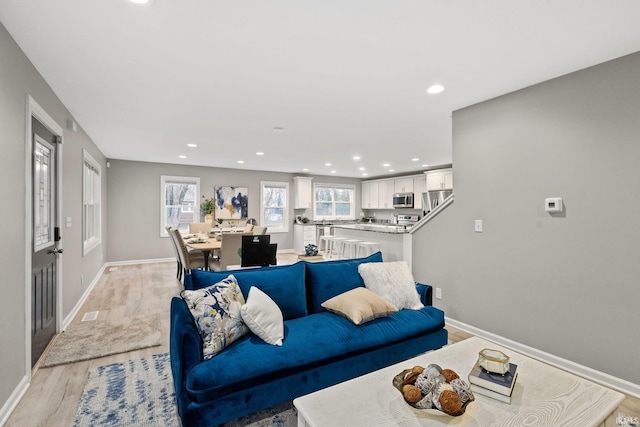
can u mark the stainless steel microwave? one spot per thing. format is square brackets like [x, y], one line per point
[403, 200]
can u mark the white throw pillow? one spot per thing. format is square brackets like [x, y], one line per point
[393, 281]
[263, 317]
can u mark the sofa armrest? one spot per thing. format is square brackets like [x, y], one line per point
[185, 346]
[426, 293]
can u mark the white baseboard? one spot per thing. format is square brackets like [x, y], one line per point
[139, 261]
[590, 374]
[76, 308]
[14, 399]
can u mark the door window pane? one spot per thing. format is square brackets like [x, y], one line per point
[42, 206]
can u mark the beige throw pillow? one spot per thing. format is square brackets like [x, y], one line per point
[359, 305]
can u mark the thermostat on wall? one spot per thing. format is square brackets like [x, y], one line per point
[553, 204]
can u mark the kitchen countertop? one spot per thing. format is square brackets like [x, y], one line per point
[378, 228]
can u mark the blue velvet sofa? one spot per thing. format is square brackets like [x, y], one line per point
[319, 349]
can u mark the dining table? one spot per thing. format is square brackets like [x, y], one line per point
[207, 246]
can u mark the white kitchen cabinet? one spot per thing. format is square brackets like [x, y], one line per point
[303, 191]
[441, 179]
[419, 187]
[369, 195]
[303, 235]
[403, 185]
[386, 188]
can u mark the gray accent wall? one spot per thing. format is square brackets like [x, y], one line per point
[567, 284]
[18, 78]
[134, 203]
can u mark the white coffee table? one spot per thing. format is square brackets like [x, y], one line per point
[543, 396]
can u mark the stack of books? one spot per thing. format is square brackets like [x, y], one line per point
[490, 384]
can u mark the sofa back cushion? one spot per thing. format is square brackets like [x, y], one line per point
[284, 284]
[330, 278]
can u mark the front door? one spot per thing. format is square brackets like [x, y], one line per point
[45, 234]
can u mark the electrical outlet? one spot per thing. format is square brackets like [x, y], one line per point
[478, 226]
[438, 293]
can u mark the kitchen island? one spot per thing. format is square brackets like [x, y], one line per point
[395, 241]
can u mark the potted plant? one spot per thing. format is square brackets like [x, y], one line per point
[208, 207]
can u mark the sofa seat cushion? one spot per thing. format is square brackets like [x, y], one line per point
[284, 284]
[309, 342]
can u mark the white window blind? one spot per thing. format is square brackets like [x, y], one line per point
[179, 202]
[91, 203]
[274, 206]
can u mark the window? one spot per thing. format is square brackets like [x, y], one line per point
[91, 200]
[178, 202]
[333, 201]
[274, 206]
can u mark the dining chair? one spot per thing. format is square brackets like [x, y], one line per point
[199, 227]
[189, 259]
[175, 252]
[259, 230]
[230, 250]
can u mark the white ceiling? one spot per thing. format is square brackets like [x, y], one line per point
[341, 78]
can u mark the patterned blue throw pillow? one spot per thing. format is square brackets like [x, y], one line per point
[216, 310]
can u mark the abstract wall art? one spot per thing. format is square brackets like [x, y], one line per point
[232, 202]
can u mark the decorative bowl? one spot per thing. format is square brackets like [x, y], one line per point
[398, 381]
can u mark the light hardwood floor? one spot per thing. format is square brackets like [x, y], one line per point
[127, 291]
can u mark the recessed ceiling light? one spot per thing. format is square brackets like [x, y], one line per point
[435, 89]
[182, 156]
[240, 161]
[361, 168]
[386, 165]
[259, 153]
[192, 145]
[425, 165]
[364, 174]
[415, 159]
[139, 1]
[327, 164]
[392, 170]
[356, 157]
[305, 170]
[333, 171]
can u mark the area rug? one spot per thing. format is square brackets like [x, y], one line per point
[98, 338]
[140, 393]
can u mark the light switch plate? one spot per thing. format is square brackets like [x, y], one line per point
[478, 226]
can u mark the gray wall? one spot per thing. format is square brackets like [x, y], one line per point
[18, 77]
[134, 203]
[566, 284]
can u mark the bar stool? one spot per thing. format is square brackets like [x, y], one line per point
[322, 231]
[324, 243]
[335, 243]
[367, 248]
[348, 248]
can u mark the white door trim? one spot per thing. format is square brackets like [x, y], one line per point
[33, 109]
